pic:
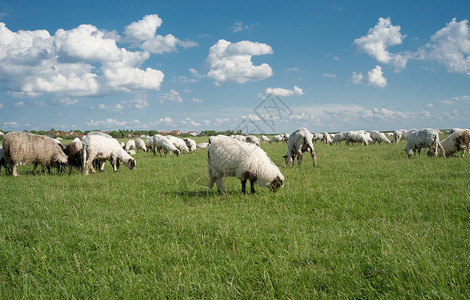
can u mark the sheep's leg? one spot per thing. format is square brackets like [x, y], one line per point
[220, 185]
[252, 186]
[14, 170]
[299, 158]
[314, 157]
[244, 185]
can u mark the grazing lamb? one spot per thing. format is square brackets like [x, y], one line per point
[358, 137]
[458, 140]
[149, 144]
[27, 148]
[379, 137]
[253, 140]
[423, 138]
[161, 143]
[140, 145]
[299, 141]
[326, 138]
[130, 145]
[339, 137]
[230, 157]
[264, 138]
[398, 135]
[191, 144]
[317, 137]
[74, 154]
[202, 145]
[104, 148]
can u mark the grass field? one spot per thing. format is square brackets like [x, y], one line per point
[367, 222]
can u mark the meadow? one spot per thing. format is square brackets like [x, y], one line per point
[367, 222]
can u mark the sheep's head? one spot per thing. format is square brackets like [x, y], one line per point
[177, 152]
[131, 164]
[276, 183]
[289, 159]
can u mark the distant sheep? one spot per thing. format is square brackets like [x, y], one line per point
[379, 137]
[264, 138]
[299, 141]
[191, 144]
[277, 139]
[317, 137]
[358, 137]
[202, 145]
[230, 157]
[253, 140]
[161, 143]
[238, 137]
[104, 148]
[74, 154]
[398, 135]
[140, 145]
[178, 143]
[130, 145]
[149, 144]
[28, 148]
[339, 137]
[424, 138]
[326, 138]
[459, 140]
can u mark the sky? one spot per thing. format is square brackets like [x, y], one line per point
[258, 66]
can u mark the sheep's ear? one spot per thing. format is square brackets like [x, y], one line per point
[285, 156]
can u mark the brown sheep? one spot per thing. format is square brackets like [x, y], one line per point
[459, 140]
[27, 148]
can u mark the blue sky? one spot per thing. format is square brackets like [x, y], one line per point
[267, 66]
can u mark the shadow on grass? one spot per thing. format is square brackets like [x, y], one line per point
[203, 193]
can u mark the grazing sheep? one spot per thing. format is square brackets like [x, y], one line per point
[253, 140]
[149, 144]
[358, 137]
[423, 138]
[299, 141]
[191, 144]
[130, 145]
[245, 161]
[264, 138]
[161, 143]
[238, 137]
[27, 148]
[202, 145]
[277, 139]
[317, 137]
[379, 137]
[104, 148]
[74, 154]
[179, 143]
[458, 140]
[398, 135]
[326, 138]
[140, 145]
[339, 137]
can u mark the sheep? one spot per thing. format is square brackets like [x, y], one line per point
[264, 138]
[191, 144]
[202, 145]
[104, 148]
[140, 144]
[299, 141]
[356, 137]
[74, 154]
[317, 137]
[245, 161]
[339, 137]
[277, 139]
[149, 144]
[238, 137]
[161, 143]
[179, 143]
[458, 140]
[130, 145]
[423, 138]
[379, 137]
[253, 140]
[398, 135]
[28, 148]
[326, 138]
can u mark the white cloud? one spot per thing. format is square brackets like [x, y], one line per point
[64, 101]
[108, 123]
[357, 78]
[10, 124]
[451, 47]
[455, 100]
[195, 100]
[143, 34]
[19, 104]
[232, 62]
[375, 77]
[171, 96]
[328, 75]
[280, 92]
[239, 26]
[379, 39]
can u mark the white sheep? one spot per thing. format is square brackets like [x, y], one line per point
[423, 138]
[459, 140]
[358, 137]
[299, 141]
[317, 137]
[326, 138]
[191, 144]
[239, 137]
[202, 145]
[379, 137]
[161, 143]
[398, 135]
[130, 145]
[104, 148]
[253, 140]
[277, 139]
[179, 143]
[149, 144]
[264, 138]
[140, 145]
[245, 161]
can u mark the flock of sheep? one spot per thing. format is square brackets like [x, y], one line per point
[238, 156]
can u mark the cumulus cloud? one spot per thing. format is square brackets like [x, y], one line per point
[375, 77]
[83, 61]
[450, 46]
[280, 92]
[232, 62]
[357, 78]
[239, 26]
[377, 41]
[143, 35]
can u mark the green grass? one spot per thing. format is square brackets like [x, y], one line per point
[366, 223]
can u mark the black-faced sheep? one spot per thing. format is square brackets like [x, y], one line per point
[28, 148]
[230, 157]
